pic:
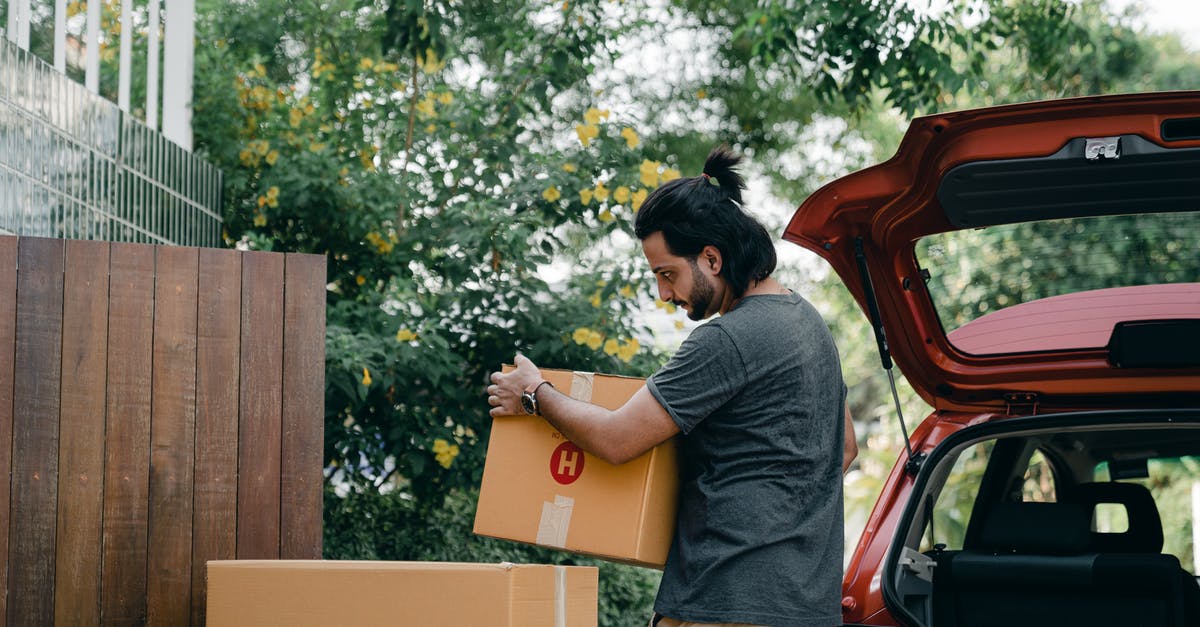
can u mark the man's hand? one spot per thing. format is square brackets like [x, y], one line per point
[504, 394]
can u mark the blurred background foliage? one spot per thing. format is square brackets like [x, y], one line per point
[470, 170]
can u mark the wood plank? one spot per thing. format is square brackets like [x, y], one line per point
[8, 336]
[214, 531]
[127, 435]
[81, 435]
[32, 513]
[303, 406]
[172, 437]
[259, 424]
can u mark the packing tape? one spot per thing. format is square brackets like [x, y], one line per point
[556, 519]
[581, 386]
[560, 596]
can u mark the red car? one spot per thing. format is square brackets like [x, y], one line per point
[1034, 270]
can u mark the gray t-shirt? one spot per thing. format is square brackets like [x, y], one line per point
[758, 396]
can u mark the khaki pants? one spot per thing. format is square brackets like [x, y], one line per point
[671, 622]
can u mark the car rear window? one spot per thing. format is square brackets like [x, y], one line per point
[1061, 284]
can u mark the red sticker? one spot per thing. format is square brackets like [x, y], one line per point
[566, 463]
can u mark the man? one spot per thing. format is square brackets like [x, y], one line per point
[756, 399]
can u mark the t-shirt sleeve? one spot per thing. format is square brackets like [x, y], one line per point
[704, 374]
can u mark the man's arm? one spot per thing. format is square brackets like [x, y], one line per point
[616, 436]
[850, 445]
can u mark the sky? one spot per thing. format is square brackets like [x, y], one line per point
[1180, 16]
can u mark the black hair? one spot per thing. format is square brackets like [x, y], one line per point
[694, 212]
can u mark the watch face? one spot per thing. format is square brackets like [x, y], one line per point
[528, 403]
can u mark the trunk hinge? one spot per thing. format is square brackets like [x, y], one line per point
[1021, 403]
[885, 355]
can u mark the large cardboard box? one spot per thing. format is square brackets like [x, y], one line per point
[541, 489]
[301, 593]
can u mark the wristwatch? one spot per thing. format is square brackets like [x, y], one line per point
[529, 398]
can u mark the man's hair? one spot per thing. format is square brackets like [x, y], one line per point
[699, 211]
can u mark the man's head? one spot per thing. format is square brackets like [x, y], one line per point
[704, 249]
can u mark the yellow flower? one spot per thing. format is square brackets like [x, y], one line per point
[258, 67]
[628, 350]
[611, 347]
[316, 146]
[585, 196]
[701, 93]
[581, 335]
[593, 115]
[262, 201]
[679, 324]
[444, 452]
[639, 197]
[366, 63]
[669, 174]
[569, 167]
[648, 172]
[261, 147]
[382, 244]
[247, 157]
[426, 107]
[272, 192]
[431, 128]
[594, 340]
[551, 194]
[595, 299]
[606, 216]
[445, 97]
[429, 62]
[404, 335]
[366, 379]
[260, 219]
[295, 116]
[621, 194]
[601, 192]
[586, 133]
[626, 291]
[272, 157]
[631, 137]
[360, 279]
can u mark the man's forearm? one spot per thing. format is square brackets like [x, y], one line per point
[584, 424]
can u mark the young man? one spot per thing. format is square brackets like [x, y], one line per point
[756, 399]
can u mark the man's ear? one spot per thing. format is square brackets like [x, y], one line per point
[710, 259]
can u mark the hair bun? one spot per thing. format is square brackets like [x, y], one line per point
[719, 167]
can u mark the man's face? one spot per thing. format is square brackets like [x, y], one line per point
[681, 281]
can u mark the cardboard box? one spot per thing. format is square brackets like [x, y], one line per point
[299, 593]
[541, 489]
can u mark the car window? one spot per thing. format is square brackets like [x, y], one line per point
[952, 510]
[1175, 485]
[1039, 480]
[978, 273]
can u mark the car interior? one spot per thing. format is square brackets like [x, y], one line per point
[1085, 519]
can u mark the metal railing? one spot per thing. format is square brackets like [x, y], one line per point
[73, 165]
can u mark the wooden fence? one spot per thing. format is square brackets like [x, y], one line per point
[159, 407]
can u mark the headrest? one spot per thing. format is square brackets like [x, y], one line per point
[1145, 533]
[1036, 528]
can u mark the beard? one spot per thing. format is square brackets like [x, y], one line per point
[701, 296]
